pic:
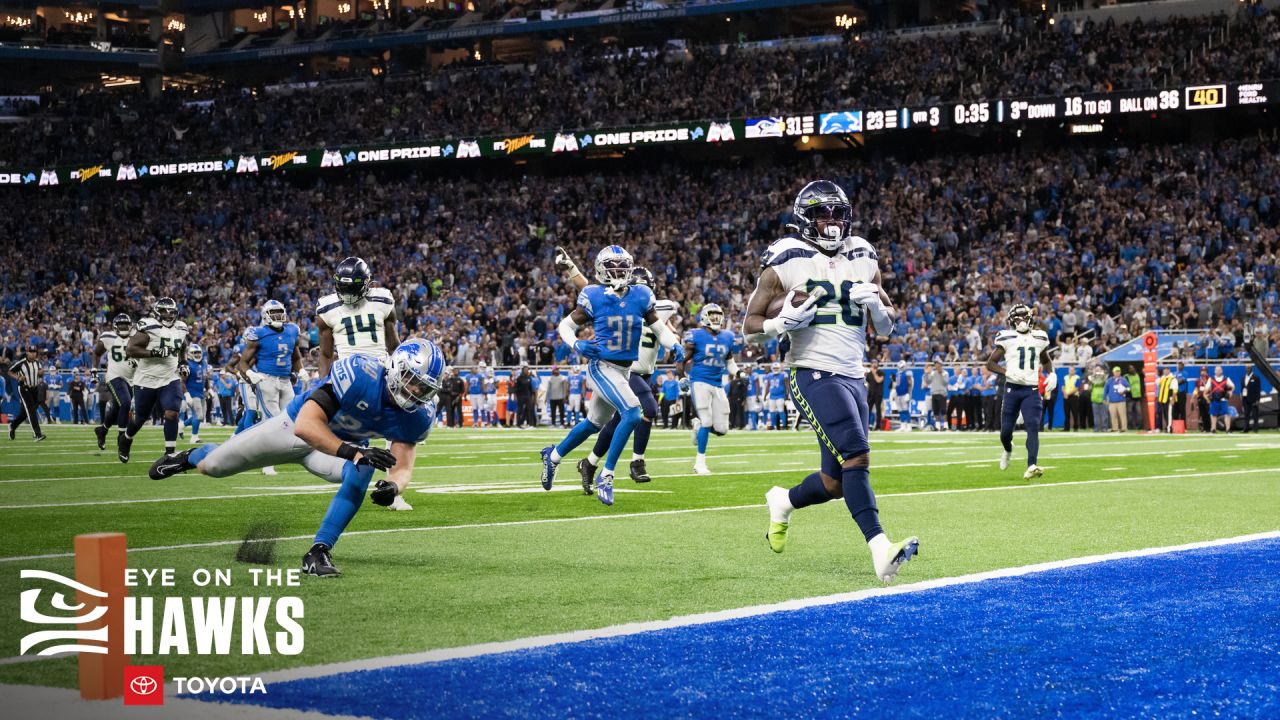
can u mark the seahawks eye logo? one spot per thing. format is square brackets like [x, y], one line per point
[30, 612]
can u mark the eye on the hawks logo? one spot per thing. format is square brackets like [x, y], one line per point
[31, 613]
[144, 685]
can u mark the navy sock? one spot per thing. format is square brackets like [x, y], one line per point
[605, 437]
[1006, 439]
[810, 491]
[861, 501]
[343, 507]
[641, 434]
[1033, 446]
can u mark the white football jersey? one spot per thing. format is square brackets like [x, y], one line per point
[358, 329]
[1022, 354]
[156, 372]
[836, 340]
[119, 365]
[647, 361]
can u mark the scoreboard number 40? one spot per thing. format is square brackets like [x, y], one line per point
[1205, 97]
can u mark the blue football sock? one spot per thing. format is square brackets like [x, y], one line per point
[345, 504]
[751, 420]
[810, 491]
[904, 416]
[641, 434]
[576, 437]
[1033, 445]
[606, 437]
[201, 453]
[703, 433]
[621, 436]
[247, 421]
[861, 501]
[195, 426]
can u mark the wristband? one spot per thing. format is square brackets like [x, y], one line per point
[347, 451]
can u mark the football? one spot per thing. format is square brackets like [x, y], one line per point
[797, 300]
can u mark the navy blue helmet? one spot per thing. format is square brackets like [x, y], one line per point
[823, 201]
[352, 280]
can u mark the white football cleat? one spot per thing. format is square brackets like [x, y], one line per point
[887, 564]
[399, 504]
[269, 470]
[700, 468]
[195, 439]
[1004, 459]
[1033, 472]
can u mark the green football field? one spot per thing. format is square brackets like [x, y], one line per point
[487, 555]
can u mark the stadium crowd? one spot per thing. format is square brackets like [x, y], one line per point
[594, 86]
[1106, 243]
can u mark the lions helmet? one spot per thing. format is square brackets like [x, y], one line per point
[712, 316]
[166, 311]
[642, 276]
[273, 314]
[352, 280]
[413, 373]
[613, 267]
[195, 353]
[1020, 318]
[777, 367]
[823, 201]
[122, 323]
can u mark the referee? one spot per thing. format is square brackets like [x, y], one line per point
[27, 372]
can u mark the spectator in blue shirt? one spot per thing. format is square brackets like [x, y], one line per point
[1116, 393]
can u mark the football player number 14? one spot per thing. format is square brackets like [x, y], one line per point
[359, 326]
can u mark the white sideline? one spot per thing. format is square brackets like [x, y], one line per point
[976, 463]
[656, 513]
[470, 651]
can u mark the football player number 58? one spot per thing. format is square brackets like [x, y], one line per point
[359, 326]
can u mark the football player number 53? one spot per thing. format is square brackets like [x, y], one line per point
[359, 326]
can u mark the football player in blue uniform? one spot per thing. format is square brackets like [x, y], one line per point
[248, 399]
[271, 361]
[827, 335]
[475, 393]
[641, 374]
[778, 398]
[619, 312]
[196, 384]
[576, 383]
[326, 430]
[709, 353]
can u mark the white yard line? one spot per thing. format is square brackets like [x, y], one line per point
[577, 636]
[658, 513]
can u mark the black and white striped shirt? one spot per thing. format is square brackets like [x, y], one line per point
[27, 371]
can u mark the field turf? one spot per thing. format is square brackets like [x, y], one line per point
[488, 556]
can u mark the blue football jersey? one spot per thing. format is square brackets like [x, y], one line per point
[366, 409]
[618, 320]
[475, 384]
[777, 386]
[195, 378]
[275, 349]
[711, 353]
[575, 384]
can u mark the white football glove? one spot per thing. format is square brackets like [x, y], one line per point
[865, 294]
[795, 318]
[254, 377]
[186, 398]
[565, 264]
[1050, 382]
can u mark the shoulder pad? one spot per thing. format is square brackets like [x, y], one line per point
[108, 335]
[1005, 335]
[147, 323]
[380, 295]
[689, 335]
[784, 249]
[179, 325]
[667, 306]
[857, 247]
[1041, 334]
[327, 303]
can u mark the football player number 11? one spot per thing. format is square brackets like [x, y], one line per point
[850, 312]
[357, 325]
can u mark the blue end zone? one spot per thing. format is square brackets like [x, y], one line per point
[1193, 633]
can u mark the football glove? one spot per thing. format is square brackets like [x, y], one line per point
[795, 318]
[677, 353]
[565, 264]
[587, 349]
[254, 377]
[865, 294]
[377, 457]
[1050, 382]
[384, 493]
[160, 352]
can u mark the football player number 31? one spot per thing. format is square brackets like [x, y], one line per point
[850, 313]
[359, 326]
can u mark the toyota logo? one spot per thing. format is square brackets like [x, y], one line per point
[143, 685]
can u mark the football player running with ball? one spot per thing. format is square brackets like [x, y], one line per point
[828, 334]
[326, 430]
[641, 373]
[1026, 350]
[618, 311]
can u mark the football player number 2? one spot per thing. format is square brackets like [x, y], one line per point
[359, 326]
[850, 313]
